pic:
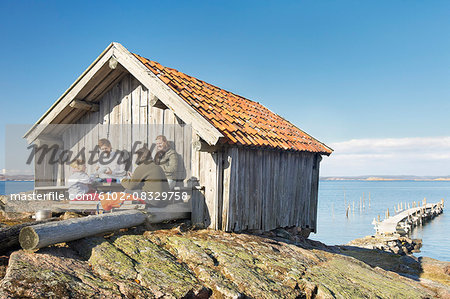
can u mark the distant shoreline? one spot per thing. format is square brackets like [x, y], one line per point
[16, 180]
[382, 179]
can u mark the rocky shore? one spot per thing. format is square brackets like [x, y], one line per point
[394, 244]
[175, 261]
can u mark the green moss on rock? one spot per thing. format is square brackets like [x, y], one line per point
[105, 258]
[175, 264]
[157, 269]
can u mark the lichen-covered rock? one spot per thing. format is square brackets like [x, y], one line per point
[53, 273]
[264, 268]
[3, 264]
[435, 270]
[204, 263]
[392, 243]
[429, 272]
[350, 278]
[199, 262]
[157, 269]
[105, 258]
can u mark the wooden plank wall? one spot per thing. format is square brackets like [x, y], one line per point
[244, 188]
[206, 204]
[47, 173]
[266, 189]
[124, 117]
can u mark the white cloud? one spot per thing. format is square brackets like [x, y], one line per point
[390, 156]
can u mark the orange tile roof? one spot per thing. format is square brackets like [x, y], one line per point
[240, 120]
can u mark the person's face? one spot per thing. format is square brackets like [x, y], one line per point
[160, 145]
[81, 168]
[105, 149]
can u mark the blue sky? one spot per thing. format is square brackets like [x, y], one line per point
[340, 70]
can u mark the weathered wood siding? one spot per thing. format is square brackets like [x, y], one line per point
[244, 188]
[266, 189]
[125, 116]
[206, 204]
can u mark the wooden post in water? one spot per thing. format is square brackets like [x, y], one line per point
[378, 217]
[363, 202]
[388, 213]
[369, 200]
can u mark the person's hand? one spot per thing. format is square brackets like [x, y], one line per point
[129, 173]
[108, 171]
[97, 168]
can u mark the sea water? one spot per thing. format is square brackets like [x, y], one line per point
[9, 187]
[334, 227]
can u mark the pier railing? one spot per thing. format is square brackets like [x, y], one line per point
[407, 218]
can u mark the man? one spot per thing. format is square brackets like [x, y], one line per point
[167, 158]
[111, 164]
[147, 178]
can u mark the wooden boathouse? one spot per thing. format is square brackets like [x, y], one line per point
[253, 169]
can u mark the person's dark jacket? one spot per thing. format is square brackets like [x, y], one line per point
[147, 177]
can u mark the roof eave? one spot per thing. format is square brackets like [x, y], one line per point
[202, 126]
[71, 87]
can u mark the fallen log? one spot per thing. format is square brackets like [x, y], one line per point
[9, 236]
[42, 235]
[170, 212]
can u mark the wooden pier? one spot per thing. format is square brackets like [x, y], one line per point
[406, 219]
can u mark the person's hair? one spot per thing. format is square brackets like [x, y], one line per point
[162, 137]
[143, 156]
[78, 164]
[103, 142]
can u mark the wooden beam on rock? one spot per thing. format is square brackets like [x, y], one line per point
[42, 235]
[9, 236]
